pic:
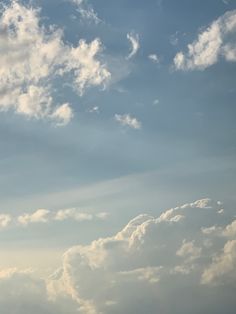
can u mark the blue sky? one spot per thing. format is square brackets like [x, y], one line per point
[111, 109]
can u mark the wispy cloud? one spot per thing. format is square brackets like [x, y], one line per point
[94, 109]
[86, 11]
[135, 45]
[154, 58]
[156, 101]
[128, 120]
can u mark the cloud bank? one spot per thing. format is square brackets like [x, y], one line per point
[168, 264]
[215, 42]
[183, 261]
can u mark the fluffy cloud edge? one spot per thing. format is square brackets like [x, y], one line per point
[151, 262]
[212, 44]
[34, 56]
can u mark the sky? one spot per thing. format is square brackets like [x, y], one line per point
[117, 159]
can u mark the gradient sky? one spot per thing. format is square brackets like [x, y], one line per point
[112, 109]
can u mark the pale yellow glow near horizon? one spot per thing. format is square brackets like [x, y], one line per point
[41, 261]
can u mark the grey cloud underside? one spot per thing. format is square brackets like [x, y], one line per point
[183, 261]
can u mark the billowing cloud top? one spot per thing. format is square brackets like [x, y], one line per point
[151, 138]
[183, 261]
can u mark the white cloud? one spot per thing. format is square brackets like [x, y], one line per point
[94, 109]
[86, 11]
[223, 266]
[154, 58]
[230, 230]
[72, 213]
[33, 56]
[87, 70]
[39, 216]
[162, 264]
[5, 220]
[134, 41]
[229, 52]
[35, 102]
[189, 250]
[155, 263]
[63, 114]
[215, 42]
[128, 120]
[77, 215]
[47, 216]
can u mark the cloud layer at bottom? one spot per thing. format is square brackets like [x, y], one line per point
[184, 262]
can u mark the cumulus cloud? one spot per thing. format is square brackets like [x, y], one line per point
[215, 42]
[5, 220]
[128, 120]
[167, 264]
[230, 230]
[88, 71]
[39, 216]
[47, 216]
[63, 114]
[134, 41]
[222, 269]
[156, 264]
[189, 251]
[32, 56]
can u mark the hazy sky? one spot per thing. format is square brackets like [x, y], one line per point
[111, 110]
